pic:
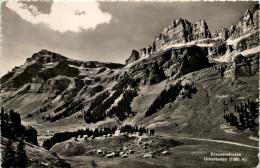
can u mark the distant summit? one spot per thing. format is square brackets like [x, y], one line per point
[45, 65]
[45, 56]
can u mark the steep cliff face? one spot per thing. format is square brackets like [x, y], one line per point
[61, 68]
[174, 63]
[224, 33]
[200, 30]
[181, 31]
[242, 66]
[246, 43]
[20, 76]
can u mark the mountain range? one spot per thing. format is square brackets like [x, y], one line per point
[183, 84]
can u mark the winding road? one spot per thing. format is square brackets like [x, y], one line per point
[220, 141]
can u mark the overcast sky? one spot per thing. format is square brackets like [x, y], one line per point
[105, 31]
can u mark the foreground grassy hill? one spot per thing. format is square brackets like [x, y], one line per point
[180, 152]
[38, 156]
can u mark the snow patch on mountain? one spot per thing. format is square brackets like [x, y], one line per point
[231, 41]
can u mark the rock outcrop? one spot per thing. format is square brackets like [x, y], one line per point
[193, 59]
[247, 43]
[174, 63]
[156, 74]
[200, 30]
[62, 68]
[134, 56]
[223, 33]
[240, 66]
[19, 77]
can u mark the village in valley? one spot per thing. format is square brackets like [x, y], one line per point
[138, 137]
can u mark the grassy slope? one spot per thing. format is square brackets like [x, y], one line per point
[201, 116]
[39, 157]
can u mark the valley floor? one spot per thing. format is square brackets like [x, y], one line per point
[190, 154]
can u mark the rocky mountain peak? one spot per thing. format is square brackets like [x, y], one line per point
[200, 30]
[248, 22]
[178, 31]
[232, 28]
[181, 31]
[45, 56]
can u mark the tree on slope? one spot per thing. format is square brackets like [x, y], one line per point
[93, 164]
[21, 157]
[8, 157]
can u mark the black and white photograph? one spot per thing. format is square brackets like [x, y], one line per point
[129, 84]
